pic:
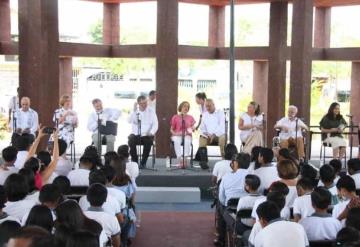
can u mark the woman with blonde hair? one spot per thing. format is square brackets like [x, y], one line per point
[65, 119]
[182, 124]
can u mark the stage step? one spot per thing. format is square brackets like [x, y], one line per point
[168, 195]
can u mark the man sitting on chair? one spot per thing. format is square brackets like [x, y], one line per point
[212, 127]
[144, 126]
[291, 131]
[102, 115]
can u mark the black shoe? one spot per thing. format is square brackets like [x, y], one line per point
[218, 243]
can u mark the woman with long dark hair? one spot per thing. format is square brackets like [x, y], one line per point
[251, 124]
[332, 126]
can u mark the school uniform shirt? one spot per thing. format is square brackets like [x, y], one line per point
[320, 183]
[5, 217]
[232, 186]
[267, 174]
[108, 222]
[221, 168]
[284, 213]
[247, 202]
[118, 195]
[20, 159]
[19, 208]
[303, 206]
[291, 125]
[334, 194]
[356, 177]
[63, 166]
[132, 169]
[281, 233]
[79, 177]
[5, 172]
[107, 114]
[148, 122]
[110, 206]
[338, 209]
[290, 198]
[213, 124]
[321, 227]
[26, 120]
[33, 196]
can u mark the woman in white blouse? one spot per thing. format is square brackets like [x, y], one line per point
[66, 119]
[251, 124]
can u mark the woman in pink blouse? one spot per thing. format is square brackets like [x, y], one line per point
[182, 123]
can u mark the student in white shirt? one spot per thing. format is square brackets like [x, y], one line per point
[119, 195]
[144, 133]
[302, 204]
[231, 187]
[353, 166]
[221, 168]
[132, 168]
[96, 195]
[327, 177]
[291, 131]
[7, 168]
[320, 225]
[267, 172]
[103, 115]
[288, 172]
[64, 165]
[3, 215]
[276, 231]
[16, 188]
[212, 128]
[252, 183]
[254, 164]
[80, 177]
[40, 216]
[251, 124]
[337, 165]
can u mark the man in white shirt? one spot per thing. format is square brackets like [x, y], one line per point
[302, 204]
[80, 177]
[7, 168]
[276, 231]
[144, 124]
[221, 168]
[212, 128]
[13, 105]
[96, 195]
[291, 131]
[267, 172]
[320, 225]
[64, 165]
[353, 167]
[25, 121]
[152, 100]
[100, 118]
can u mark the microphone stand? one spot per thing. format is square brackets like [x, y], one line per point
[296, 135]
[264, 129]
[351, 134]
[99, 134]
[226, 125]
[139, 136]
[14, 123]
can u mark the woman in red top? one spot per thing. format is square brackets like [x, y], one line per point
[182, 124]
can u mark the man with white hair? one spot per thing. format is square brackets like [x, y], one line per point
[26, 120]
[291, 131]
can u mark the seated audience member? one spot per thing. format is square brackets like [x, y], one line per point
[232, 184]
[254, 164]
[16, 189]
[320, 225]
[96, 195]
[288, 172]
[267, 172]
[82, 238]
[327, 177]
[336, 164]
[284, 154]
[8, 229]
[347, 235]
[252, 184]
[22, 144]
[349, 199]
[7, 168]
[3, 215]
[274, 228]
[308, 171]
[302, 204]
[111, 205]
[41, 216]
[221, 168]
[109, 173]
[353, 218]
[70, 218]
[80, 177]
[132, 168]
[63, 185]
[44, 158]
[109, 156]
[92, 153]
[33, 193]
[64, 165]
[28, 236]
[353, 166]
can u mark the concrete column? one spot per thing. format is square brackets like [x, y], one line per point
[216, 26]
[322, 27]
[5, 26]
[111, 24]
[260, 82]
[66, 78]
[355, 96]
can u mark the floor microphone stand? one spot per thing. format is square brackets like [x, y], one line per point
[14, 123]
[264, 129]
[99, 134]
[226, 125]
[351, 134]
